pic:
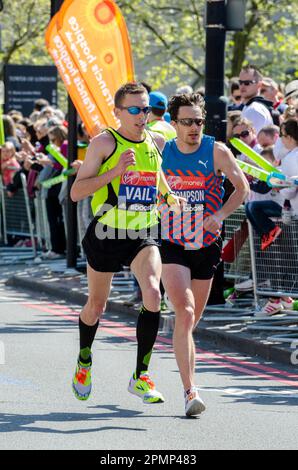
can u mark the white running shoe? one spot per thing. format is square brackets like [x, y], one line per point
[245, 286]
[51, 255]
[287, 303]
[272, 307]
[194, 405]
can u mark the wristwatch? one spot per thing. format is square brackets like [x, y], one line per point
[169, 194]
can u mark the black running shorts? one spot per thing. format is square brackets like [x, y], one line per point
[112, 254]
[202, 263]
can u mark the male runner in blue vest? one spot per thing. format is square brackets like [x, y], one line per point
[194, 165]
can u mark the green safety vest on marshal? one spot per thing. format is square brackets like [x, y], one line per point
[129, 201]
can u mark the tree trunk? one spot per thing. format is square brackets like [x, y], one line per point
[240, 44]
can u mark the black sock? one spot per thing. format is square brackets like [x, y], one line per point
[147, 329]
[87, 335]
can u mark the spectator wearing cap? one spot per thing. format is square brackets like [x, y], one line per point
[270, 92]
[256, 108]
[291, 93]
[156, 121]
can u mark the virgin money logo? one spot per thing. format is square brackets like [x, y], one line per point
[196, 184]
[185, 182]
[175, 182]
[131, 177]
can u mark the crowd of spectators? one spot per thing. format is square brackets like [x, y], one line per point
[265, 117]
[25, 152]
[260, 112]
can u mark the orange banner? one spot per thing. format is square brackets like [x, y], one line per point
[95, 35]
[73, 80]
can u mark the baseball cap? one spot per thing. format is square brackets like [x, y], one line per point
[158, 100]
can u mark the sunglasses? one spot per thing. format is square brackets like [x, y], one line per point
[242, 134]
[247, 82]
[189, 121]
[135, 110]
[237, 97]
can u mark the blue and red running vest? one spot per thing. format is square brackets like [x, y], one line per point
[191, 175]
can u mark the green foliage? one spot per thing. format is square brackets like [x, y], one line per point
[168, 38]
[270, 38]
[23, 25]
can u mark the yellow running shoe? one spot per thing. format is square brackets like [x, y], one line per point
[81, 384]
[144, 388]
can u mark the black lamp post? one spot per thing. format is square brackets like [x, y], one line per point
[221, 16]
[215, 69]
[72, 156]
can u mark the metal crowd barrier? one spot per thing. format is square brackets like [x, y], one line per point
[238, 270]
[275, 270]
[41, 221]
[275, 274]
[81, 229]
[17, 219]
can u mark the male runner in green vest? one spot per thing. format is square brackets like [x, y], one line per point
[122, 169]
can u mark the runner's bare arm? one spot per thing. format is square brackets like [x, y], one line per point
[87, 182]
[224, 162]
[160, 142]
[177, 203]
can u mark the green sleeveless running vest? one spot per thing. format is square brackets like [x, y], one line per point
[129, 201]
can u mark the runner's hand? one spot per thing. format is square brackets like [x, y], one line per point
[212, 223]
[176, 203]
[126, 159]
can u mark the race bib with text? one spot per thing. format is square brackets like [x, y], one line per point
[192, 188]
[137, 191]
